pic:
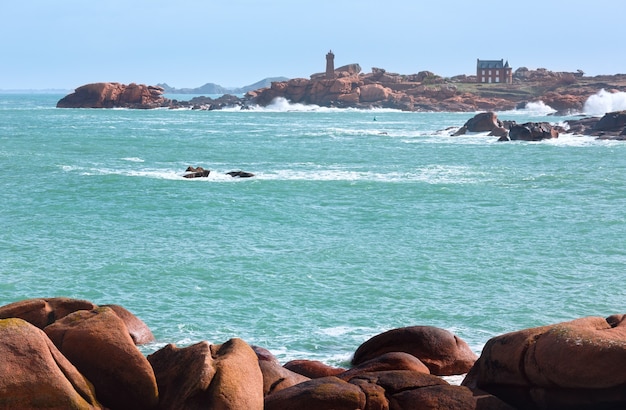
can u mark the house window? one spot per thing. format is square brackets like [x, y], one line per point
[489, 72]
[497, 79]
[483, 72]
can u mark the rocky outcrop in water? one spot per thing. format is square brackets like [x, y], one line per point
[508, 130]
[611, 126]
[115, 95]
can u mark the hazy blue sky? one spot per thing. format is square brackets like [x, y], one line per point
[187, 43]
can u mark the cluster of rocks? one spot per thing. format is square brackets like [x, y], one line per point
[140, 96]
[200, 172]
[508, 130]
[611, 126]
[61, 353]
[115, 95]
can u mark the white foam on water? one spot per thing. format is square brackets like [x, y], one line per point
[603, 102]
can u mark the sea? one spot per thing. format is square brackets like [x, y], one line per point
[355, 222]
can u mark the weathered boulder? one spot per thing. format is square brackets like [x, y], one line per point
[196, 172]
[481, 122]
[275, 376]
[531, 131]
[313, 368]
[441, 351]
[42, 312]
[393, 390]
[115, 95]
[577, 364]
[324, 393]
[137, 329]
[203, 376]
[374, 92]
[612, 121]
[385, 362]
[240, 174]
[403, 389]
[97, 342]
[34, 374]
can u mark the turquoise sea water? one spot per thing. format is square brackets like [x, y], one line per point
[350, 227]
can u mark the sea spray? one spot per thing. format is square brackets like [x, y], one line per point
[603, 102]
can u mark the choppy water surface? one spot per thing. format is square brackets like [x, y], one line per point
[350, 227]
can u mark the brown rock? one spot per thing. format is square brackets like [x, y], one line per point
[385, 362]
[97, 342]
[137, 329]
[34, 374]
[325, 393]
[275, 376]
[203, 376]
[441, 351]
[483, 122]
[611, 121]
[445, 397]
[532, 131]
[576, 364]
[42, 312]
[183, 376]
[374, 92]
[405, 389]
[112, 95]
[313, 368]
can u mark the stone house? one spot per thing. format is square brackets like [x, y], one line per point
[493, 71]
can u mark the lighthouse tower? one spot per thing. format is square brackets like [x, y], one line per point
[330, 65]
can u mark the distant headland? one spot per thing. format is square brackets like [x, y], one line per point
[496, 86]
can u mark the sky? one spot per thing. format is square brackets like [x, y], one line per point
[64, 44]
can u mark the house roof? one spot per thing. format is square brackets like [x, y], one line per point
[491, 64]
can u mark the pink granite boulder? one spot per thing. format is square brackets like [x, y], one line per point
[441, 351]
[313, 369]
[42, 312]
[204, 376]
[34, 374]
[275, 376]
[97, 342]
[577, 364]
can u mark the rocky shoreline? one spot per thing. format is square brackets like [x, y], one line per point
[352, 90]
[348, 87]
[60, 353]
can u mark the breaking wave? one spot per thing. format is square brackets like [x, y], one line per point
[603, 102]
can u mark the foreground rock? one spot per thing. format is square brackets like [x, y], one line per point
[577, 364]
[44, 312]
[115, 95]
[34, 374]
[393, 390]
[87, 359]
[442, 352]
[204, 376]
[97, 342]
